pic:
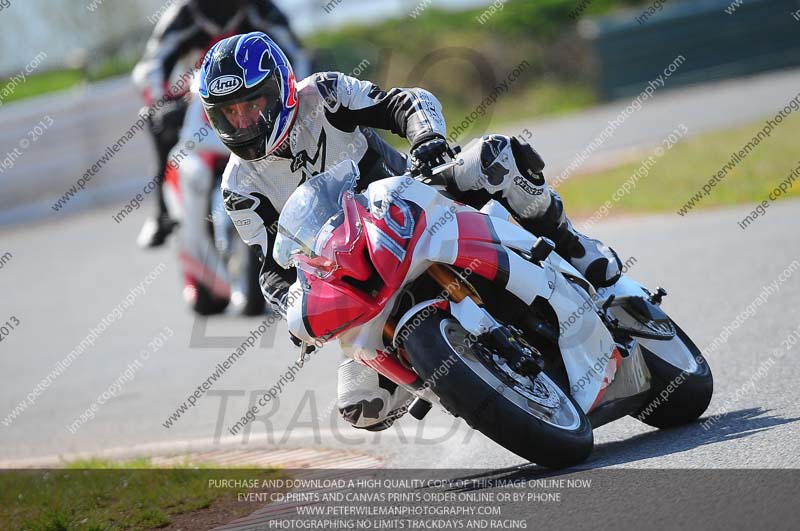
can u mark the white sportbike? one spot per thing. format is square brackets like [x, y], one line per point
[469, 311]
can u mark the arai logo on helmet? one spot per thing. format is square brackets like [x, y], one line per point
[225, 85]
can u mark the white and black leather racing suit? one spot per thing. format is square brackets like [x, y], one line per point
[335, 122]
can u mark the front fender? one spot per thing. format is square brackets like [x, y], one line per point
[414, 310]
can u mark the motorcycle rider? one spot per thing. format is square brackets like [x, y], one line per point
[282, 132]
[178, 43]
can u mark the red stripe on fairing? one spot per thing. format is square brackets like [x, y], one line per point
[391, 368]
[473, 226]
[477, 249]
[478, 257]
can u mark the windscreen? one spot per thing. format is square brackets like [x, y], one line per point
[309, 218]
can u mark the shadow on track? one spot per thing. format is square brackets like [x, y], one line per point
[657, 443]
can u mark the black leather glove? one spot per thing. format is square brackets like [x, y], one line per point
[428, 154]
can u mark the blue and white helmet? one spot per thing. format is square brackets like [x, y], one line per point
[249, 93]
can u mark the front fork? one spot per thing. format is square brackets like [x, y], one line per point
[467, 307]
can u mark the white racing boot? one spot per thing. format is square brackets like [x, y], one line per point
[368, 400]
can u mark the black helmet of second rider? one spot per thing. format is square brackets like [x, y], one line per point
[221, 11]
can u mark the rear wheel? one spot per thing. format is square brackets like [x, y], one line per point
[681, 384]
[533, 418]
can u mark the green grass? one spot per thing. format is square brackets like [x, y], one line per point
[449, 53]
[684, 169]
[43, 83]
[98, 495]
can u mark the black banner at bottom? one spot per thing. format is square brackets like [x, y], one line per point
[515, 498]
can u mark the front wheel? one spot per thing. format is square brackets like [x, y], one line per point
[681, 384]
[535, 419]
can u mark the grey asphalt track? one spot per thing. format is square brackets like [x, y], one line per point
[64, 277]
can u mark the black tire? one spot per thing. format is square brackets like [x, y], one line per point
[677, 397]
[488, 406]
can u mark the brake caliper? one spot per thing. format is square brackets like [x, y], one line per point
[510, 344]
